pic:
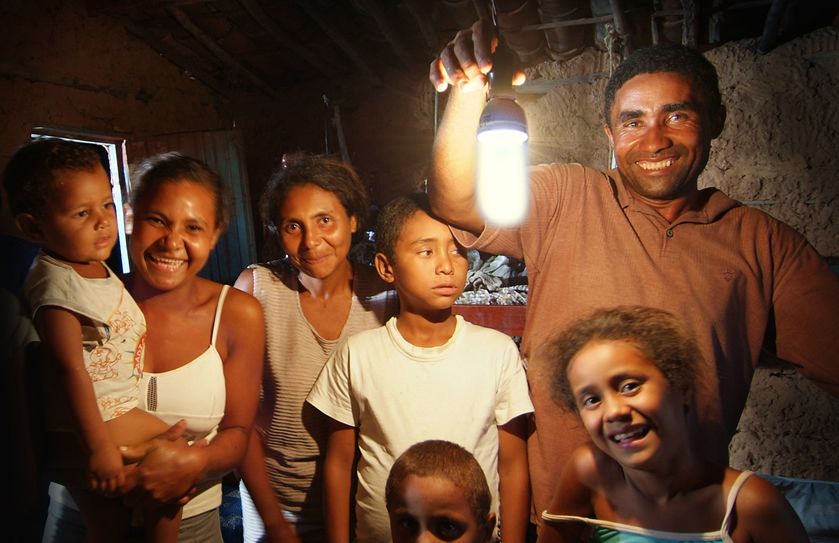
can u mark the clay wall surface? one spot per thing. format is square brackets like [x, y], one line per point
[89, 73]
[778, 150]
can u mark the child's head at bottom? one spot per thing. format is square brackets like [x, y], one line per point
[417, 253]
[437, 490]
[629, 372]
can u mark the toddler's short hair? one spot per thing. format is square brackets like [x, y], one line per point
[656, 333]
[31, 172]
[392, 219]
[443, 460]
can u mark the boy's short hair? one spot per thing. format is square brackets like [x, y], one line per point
[392, 219]
[657, 334]
[29, 175]
[447, 461]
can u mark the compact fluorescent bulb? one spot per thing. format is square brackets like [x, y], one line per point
[501, 183]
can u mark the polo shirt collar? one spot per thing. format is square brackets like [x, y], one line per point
[717, 204]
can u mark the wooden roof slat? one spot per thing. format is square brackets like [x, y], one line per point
[208, 42]
[419, 11]
[170, 53]
[123, 7]
[333, 33]
[255, 11]
[35, 74]
[389, 32]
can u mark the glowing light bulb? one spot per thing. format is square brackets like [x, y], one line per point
[501, 173]
[501, 183]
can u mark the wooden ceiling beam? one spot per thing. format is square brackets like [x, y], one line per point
[124, 7]
[255, 10]
[208, 42]
[355, 56]
[158, 43]
[389, 32]
[420, 12]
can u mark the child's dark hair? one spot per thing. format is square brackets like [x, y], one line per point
[443, 460]
[392, 219]
[322, 171]
[656, 333]
[31, 172]
[667, 58]
[158, 170]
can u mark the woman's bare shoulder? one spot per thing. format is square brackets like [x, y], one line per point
[243, 306]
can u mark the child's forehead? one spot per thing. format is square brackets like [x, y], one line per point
[415, 485]
[421, 227]
[63, 177]
[611, 351]
[78, 183]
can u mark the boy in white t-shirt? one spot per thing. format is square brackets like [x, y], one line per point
[426, 374]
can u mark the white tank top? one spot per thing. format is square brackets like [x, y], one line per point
[194, 392]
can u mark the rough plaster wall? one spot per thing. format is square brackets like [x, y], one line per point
[389, 136]
[566, 124]
[779, 145]
[779, 151]
[790, 427]
[110, 82]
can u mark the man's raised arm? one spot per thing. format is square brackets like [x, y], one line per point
[463, 64]
[451, 184]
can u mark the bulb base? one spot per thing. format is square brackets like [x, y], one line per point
[502, 113]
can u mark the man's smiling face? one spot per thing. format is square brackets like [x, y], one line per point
[661, 131]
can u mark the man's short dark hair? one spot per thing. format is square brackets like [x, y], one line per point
[667, 58]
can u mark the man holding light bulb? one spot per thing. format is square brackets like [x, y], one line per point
[641, 234]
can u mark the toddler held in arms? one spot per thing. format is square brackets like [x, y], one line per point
[92, 331]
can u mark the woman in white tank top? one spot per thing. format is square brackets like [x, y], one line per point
[203, 352]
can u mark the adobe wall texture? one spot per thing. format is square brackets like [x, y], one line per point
[105, 79]
[88, 73]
